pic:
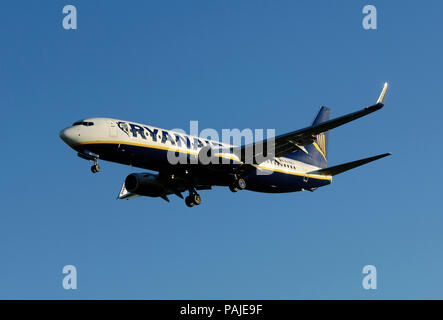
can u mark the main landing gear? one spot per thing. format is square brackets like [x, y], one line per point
[237, 184]
[193, 199]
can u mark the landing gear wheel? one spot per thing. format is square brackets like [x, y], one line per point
[189, 202]
[95, 168]
[196, 199]
[193, 199]
[241, 183]
[238, 184]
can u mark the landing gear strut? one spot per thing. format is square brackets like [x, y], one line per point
[237, 184]
[193, 199]
[88, 155]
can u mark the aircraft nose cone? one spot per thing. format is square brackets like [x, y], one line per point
[69, 136]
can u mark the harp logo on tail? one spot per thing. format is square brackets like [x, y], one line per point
[320, 144]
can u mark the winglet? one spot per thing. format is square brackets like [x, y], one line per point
[382, 97]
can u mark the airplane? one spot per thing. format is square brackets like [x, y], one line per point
[295, 161]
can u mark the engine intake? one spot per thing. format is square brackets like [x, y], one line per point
[144, 184]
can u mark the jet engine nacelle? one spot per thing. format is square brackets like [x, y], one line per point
[144, 184]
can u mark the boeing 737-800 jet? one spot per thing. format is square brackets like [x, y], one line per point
[295, 161]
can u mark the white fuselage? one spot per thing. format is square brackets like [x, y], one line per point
[107, 130]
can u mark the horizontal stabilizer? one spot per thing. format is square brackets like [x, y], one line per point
[333, 171]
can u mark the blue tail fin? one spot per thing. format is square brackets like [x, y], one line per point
[317, 151]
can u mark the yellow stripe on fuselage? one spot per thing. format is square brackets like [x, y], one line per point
[196, 153]
[151, 146]
[298, 174]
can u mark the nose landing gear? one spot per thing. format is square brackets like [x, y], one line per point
[95, 167]
[87, 155]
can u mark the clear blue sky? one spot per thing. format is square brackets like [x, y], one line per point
[228, 64]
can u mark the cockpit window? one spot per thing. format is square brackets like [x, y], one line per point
[83, 123]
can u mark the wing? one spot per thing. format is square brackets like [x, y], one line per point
[297, 140]
[333, 171]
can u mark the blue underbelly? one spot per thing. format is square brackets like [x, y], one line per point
[156, 159]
